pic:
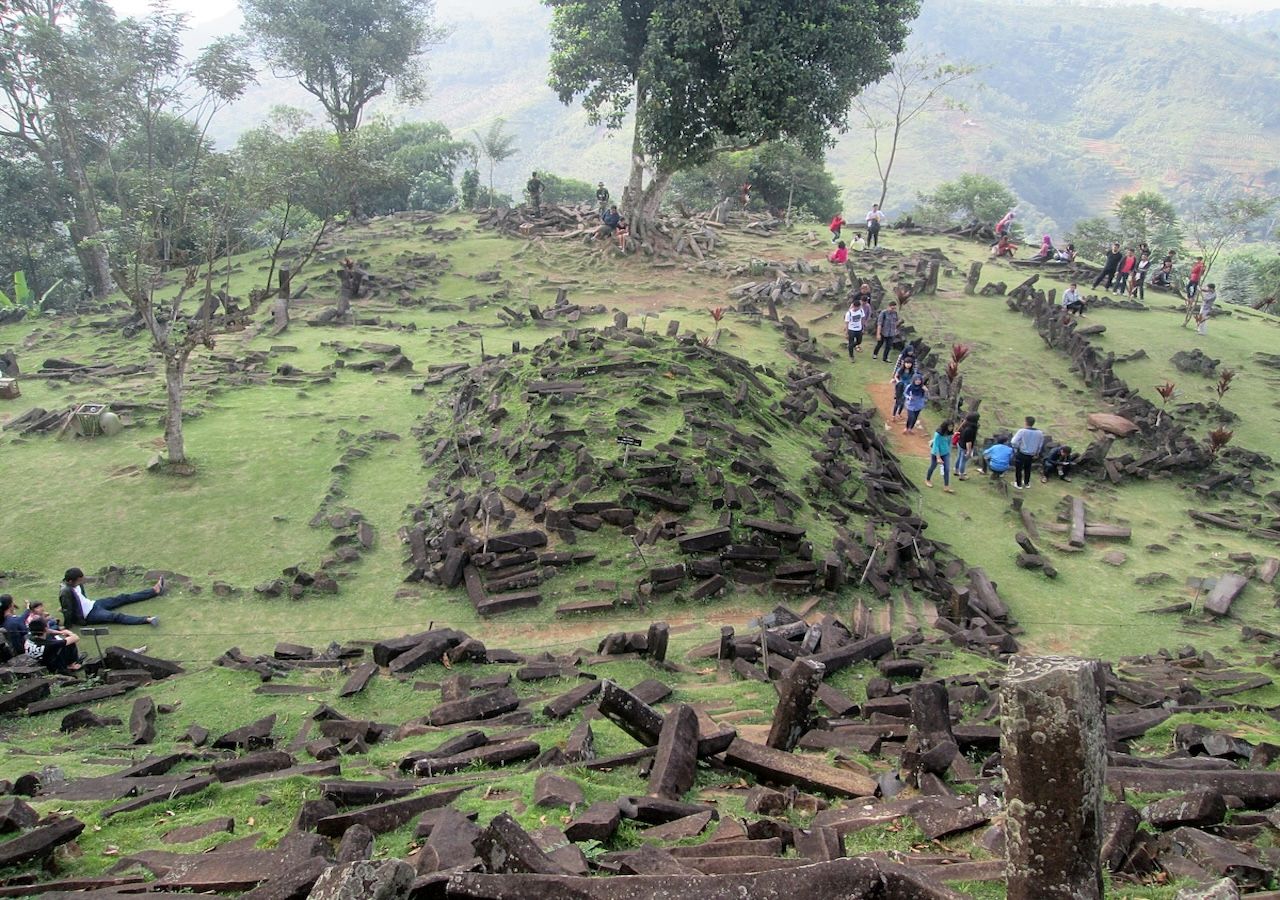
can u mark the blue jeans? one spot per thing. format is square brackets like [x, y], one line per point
[104, 611]
[945, 462]
[913, 416]
[962, 460]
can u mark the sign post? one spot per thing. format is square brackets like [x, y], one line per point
[627, 441]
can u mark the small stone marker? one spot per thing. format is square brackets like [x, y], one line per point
[1053, 747]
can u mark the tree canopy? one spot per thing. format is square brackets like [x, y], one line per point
[781, 176]
[702, 77]
[970, 198]
[345, 52]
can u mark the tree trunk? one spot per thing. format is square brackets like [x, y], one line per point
[893, 151]
[85, 226]
[175, 370]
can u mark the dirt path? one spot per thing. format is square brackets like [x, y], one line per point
[903, 444]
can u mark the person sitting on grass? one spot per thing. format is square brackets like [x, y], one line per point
[1066, 256]
[916, 396]
[1060, 460]
[14, 624]
[78, 609]
[840, 255]
[1004, 247]
[55, 650]
[998, 458]
[940, 455]
[1046, 250]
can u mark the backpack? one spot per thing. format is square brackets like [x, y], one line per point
[70, 605]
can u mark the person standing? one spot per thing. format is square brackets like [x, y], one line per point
[916, 396]
[1208, 297]
[1193, 281]
[1004, 225]
[837, 225]
[72, 600]
[1026, 444]
[1127, 265]
[602, 198]
[875, 218]
[940, 455]
[1109, 266]
[1138, 283]
[887, 323]
[855, 321]
[534, 189]
[966, 445]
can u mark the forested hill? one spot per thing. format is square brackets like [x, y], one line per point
[1074, 104]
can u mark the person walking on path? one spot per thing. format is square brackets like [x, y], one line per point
[1193, 281]
[1208, 297]
[534, 188]
[902, 376]
[940, 455]
[965, 446]
[855, 322]
[916, 396]
[875, 218]
[602, 198]
[1026, 444]
[72, 599]
[837, 224]
[1109, 266]
[887, 323]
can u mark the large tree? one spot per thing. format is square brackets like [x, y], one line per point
[970, 198]
[345, 52]
[702, 76]
[916, 84]
[66, 67]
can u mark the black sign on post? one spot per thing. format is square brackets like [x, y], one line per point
[627, 440]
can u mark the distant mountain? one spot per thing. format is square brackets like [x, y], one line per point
[1074, 104]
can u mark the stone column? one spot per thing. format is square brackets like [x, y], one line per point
[1053, 748]
[791, 716]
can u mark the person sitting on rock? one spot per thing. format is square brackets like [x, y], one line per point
[1066, 256]
[998, 458]
[609, 221]
[78, 609]
[1060, 460]
[56, 651]
[840, 255]
[1164, 276]
[1072, 302]
[1045, 253]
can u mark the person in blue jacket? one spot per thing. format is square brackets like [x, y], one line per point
[940, 455]
[998, 457]
[916, 395]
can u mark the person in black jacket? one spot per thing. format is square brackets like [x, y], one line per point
[967, 445]
[1110, 266]
[1059, 460]
[56, 651]
[78, 608]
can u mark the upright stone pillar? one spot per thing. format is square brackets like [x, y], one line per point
[791, 716]
[1053, 748]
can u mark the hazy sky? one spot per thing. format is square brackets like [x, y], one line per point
[205, 10]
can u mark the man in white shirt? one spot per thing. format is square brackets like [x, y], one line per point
[875, 218]
[1072, 301]
[72, 597]
[855, 321]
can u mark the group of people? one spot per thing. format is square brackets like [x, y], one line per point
[49, 641]
[862, 315]
[1018, 452]
[874, 219]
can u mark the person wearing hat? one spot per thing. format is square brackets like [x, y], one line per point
[602, 198]
[55, 650]
[77, 608]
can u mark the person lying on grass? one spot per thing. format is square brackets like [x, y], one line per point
[78, 609]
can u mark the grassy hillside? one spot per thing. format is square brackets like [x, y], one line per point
[274, 421]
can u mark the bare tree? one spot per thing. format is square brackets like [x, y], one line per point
[915, 84]
[1224, 216]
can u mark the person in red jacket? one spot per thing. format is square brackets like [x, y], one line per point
[837, 223]
[1197, 272]
[840, 255]
[1127, 265]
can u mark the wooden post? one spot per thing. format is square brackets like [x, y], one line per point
[1054, 752]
